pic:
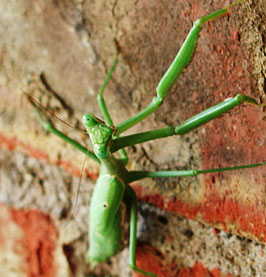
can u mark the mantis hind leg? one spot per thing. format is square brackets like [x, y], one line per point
[132, 201]
[139, 175]
[181, 60]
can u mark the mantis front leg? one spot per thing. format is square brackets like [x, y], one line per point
[100, 98]
[48, 126]
[103, 107]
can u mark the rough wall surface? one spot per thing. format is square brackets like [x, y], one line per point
[59, 52]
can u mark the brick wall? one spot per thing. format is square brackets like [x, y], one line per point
[211, 225]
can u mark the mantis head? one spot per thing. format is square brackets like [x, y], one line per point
[100, 135]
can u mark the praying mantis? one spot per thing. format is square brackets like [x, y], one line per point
[112, 187]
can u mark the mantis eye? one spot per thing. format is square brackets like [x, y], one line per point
[88, 120]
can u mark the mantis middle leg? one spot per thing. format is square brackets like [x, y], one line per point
[180, 62]
[187, 126]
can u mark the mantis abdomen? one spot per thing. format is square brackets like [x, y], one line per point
[105, 230]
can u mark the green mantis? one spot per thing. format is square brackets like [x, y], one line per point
[112, 187]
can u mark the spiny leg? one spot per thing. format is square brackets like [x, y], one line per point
[132, 200]
[180, 62]
[50, 128]
[103, 107]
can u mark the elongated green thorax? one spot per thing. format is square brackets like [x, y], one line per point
[100, 135]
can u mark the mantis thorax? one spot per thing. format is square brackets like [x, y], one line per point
[100, 135]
